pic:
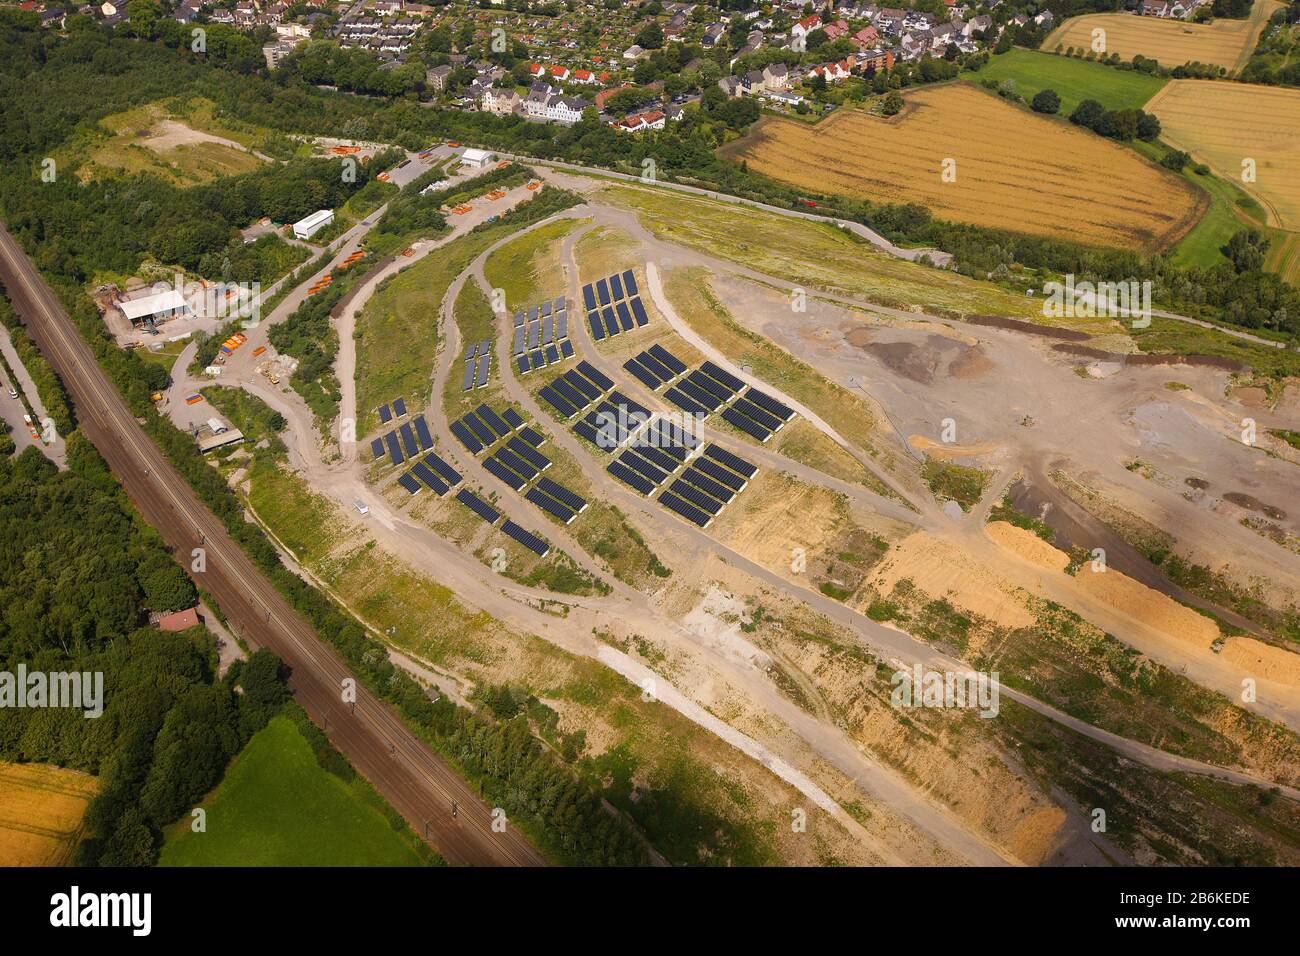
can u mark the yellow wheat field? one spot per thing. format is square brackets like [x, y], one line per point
[1013, 169]
[40, 813]
[1222, 124]
[1225, 43]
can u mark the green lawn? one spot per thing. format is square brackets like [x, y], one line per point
[1073, 80]
[276, 806]
[527, 267]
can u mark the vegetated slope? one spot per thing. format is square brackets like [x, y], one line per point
[1006, 168]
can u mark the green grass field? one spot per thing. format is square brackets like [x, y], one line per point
[278, 807]
[1073, 80]
[526, 267]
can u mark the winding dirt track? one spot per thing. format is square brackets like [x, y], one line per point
[420, 785]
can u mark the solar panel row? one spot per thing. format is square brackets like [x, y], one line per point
[422, 433]
[449, 474]
[529, 540]
[562, 494]
[550, 505]
[734, 462]
[423, 472]
[770, 404]
[477, 505]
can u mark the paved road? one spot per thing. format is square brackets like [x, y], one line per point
[12, 409]
[416, 782]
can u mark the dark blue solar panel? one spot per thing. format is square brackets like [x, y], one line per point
[399, 407]
[549, 505]
[394, 450]
[597, 327]
[385, 416]
[477, 505]
[529, 540]
[746, 425]
[684, 508]
[409, 483]
[628, 476]
[668, 358]
[422, 433]
[629, 282]
[449, 474]
[602, 291]
[408, 440]
[500, 471]
[624, 317]
[589, 296]
[616, 285]
[480, 429]
[377, 448]
[734, 462]
[422, 471]
[603, 381]
[638, 310]
[466, 437]
[557, 401]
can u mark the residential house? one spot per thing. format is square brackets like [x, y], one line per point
[806, 26]
[776, 76]
[867, 36]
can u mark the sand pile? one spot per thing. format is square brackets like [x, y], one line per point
[1263, 660]
[1149, 606]
[940, 569]
[1027, 545]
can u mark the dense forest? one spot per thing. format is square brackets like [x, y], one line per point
[79, 574]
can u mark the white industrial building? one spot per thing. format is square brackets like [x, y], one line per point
[308, 227]
[477, 158]
[158, 307]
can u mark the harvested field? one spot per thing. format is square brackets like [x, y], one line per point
[1222, 124]
[1225, 43]
[40, 813]
[1014, 170]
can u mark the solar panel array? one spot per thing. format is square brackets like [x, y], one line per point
[514, 459]
[575, 390]
[613, 305]
[407, 441]
[707, 485]
[533, 542]
[430, 472]
[542, 336]
[655, 367]
[478, 362]
[710, 389]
